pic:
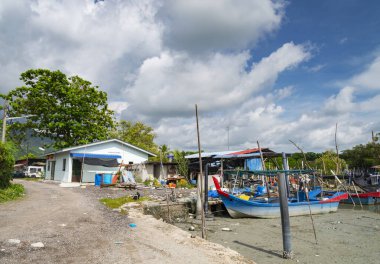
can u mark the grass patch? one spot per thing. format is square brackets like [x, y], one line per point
[31, 179]
[13, 192]
[117, 202]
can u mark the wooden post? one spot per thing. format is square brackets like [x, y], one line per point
[285, 221]
[201, 176]
[285, 166]
[206, 190]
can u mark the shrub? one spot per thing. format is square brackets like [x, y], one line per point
[7, 163]
[182, 183]
[13, 192]
[147, 182]
[156, 183]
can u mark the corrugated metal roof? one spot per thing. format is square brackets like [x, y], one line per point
[209, 154]
[253, 150]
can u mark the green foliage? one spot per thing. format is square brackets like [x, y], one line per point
[29, 156]
[182, 183]
[156, 183]
[117, 202]
[162, 155]
[137, 134]
[147, 182]
[7, 163]
[183, 164]
[68, 110]
[328, 162]
[12, 192]
[363, 156]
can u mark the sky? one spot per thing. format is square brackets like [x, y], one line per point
[259, 70]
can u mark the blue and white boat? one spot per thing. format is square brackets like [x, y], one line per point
[270, 208]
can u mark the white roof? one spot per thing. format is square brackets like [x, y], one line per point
[102, 142]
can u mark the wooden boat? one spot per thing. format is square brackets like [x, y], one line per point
[239, 208]
[368, 198]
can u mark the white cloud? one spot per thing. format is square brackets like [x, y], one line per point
[369, 79]
[171, 84]
[208, 25]
[342, 102]
[100, 42]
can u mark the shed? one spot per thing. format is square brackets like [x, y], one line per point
[81, 163]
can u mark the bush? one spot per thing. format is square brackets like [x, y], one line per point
[183, 184]
[13, 192]
[7, 163]
[156, 183]
[147, 182]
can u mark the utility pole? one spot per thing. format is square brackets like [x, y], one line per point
[228, 137]
[4, 121]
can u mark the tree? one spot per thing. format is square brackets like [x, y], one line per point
[7, 163]
[68, 110]
[137, 134]
[183, 164]
[363, 156]
[327, 162]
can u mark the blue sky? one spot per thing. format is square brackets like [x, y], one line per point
[269, 70]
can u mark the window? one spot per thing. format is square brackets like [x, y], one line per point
[48, 168]
[64, 165]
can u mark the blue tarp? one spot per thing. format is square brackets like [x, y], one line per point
[253, 164]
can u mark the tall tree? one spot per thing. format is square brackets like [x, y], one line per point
[6, 165]
[68, 110]
[363, 156]
[137, 134]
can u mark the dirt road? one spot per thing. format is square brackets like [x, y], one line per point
[76, 228]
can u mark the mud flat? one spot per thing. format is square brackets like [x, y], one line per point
[350, 235]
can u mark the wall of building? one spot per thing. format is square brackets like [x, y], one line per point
[127, 154]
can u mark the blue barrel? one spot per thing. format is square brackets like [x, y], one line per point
[107, 178]
[98, 179]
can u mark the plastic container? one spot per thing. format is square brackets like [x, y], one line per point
[107, 178]
[98, 179]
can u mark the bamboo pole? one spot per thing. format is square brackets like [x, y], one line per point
[357, 195]
[201, 177]
[344, 187]
[337, 151]
[263, 167]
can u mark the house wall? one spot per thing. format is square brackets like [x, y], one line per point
[127, 154]
[60, 174]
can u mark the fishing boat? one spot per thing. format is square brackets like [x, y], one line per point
[368, 198]
[270, 207]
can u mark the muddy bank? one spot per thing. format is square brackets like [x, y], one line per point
[347, 236]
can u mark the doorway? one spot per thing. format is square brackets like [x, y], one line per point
[52, 167]
[77, 170]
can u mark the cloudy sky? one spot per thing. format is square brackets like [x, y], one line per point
[258, 69]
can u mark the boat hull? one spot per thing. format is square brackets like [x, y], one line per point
[243, 209]
[238, 208]
[369, 198]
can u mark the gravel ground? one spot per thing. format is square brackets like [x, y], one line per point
[75, 227]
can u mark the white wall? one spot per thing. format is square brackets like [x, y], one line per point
[127, 154]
